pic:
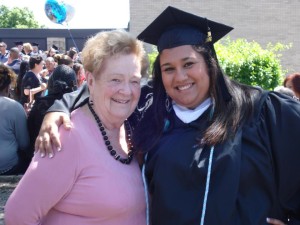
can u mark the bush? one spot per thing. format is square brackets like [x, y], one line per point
[249, 63]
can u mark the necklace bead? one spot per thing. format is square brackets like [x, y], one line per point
[113, 152]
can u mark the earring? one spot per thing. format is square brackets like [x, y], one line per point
[168, 104]
[91, 101]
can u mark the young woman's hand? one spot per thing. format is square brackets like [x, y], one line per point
[48, 137]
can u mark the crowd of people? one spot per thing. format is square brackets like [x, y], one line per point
[191, 146]
[28, 85]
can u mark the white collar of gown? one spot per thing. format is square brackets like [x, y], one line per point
[188, 115]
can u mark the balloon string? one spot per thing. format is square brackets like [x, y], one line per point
[72, 37]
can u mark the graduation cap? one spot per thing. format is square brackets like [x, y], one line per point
[34, 44]
[18, 43]
[55, 47]
[174, 27]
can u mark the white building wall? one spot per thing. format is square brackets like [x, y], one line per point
[263, 21]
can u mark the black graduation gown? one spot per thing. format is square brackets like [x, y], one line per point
[254, 175]
[37, 114]
[29, 81]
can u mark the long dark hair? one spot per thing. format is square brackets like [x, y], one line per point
[24, 67]
[228, 114]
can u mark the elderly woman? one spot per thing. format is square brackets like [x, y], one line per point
[97, 178]
[14, 138]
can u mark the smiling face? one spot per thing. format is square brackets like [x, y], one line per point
[116, 89]
[185, 76]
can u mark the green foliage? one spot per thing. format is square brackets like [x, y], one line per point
[152, 56]
[249, 63]
[17, 18]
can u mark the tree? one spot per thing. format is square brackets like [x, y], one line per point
[17, 18]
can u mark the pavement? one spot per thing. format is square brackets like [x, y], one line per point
[7, 185]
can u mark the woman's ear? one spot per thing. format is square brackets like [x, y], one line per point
[90, 80]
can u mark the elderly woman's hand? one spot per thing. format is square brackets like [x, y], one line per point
[275, 221]
[49, 135]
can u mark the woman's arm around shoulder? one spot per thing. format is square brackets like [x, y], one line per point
[58, 114]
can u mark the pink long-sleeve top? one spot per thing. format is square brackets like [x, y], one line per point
[82, 185]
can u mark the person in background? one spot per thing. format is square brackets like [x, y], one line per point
[222, 146]
[292, 82]
[14, 60]
[50, 65]
[63, 80]
[4, 53]
[19, 45]
[62, 59]
[286, 91]
[27, 49]
[35, 49]
[73, 54]
[97, 179]
[32, 85]
[80, 74]
[25, 58]
[14, 138]
[52, 51]
[24, 68]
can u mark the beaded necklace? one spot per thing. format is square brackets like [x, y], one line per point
[113, 152]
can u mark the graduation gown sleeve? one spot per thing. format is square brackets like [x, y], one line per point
[281, 119]
[71, 101]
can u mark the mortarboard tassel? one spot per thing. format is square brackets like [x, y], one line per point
[209, 37]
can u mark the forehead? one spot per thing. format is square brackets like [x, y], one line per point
[179, 53]
[123, 65]
[123, 59]
[49, 62]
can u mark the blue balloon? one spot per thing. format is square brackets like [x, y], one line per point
[70, 12]
[56, 11]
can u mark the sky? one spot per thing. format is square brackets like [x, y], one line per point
[99, 14]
